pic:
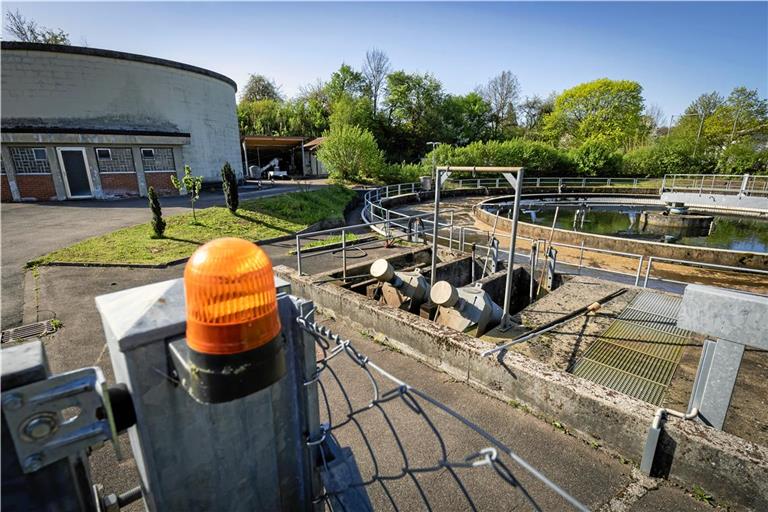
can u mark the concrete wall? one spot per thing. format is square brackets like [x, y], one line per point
[103, 90]
[733, 469]
[683, 252]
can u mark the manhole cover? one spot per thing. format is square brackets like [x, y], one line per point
[28, 331]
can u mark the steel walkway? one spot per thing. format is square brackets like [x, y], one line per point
[638, 353]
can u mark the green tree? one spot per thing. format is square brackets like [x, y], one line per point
[350, 153]
[413, 114]
[596, 157]
[466, 119]
[260, 88]
[345, 81]
[229, 187]
[533, 110]
[192, 185]
[158, 224]
[610, 109]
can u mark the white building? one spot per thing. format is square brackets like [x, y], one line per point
[84, 122]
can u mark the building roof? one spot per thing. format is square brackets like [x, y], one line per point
[314, 143]
[112, 54]
[268, 141]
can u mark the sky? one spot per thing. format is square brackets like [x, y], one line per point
[676, 51]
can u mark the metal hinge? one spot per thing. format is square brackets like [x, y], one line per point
[40, 431]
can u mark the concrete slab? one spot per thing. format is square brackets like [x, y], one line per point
[562, 346]
[670, 498]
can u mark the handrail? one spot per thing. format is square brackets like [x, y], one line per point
[651, 259]
[374, 215]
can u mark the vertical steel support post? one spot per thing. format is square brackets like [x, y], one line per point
[298, 254]
[581, 256]
[533, 258]
[450, 234]
[639, 269]
[435, 228]
[512, 242]
[648, 272]
[344, 255]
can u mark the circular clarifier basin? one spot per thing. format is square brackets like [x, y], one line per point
[651, 223]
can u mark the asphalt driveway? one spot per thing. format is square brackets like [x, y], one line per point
[30, 230]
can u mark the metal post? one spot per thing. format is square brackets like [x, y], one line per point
[398, 189]
[436, 219]
[648, 272]
[450, 234]
[461, 238]
[533, 258]
[344, 255]
[298, 254]
[581, 256]
[512, 242]
[639, 269]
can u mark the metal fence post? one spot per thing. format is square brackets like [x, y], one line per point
[298, 254]
[648, 271]
[581, 255]
[450, 234]
[639, 269]
[512, 243]
[435, 227]
[344, 255]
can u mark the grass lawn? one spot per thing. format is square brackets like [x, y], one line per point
[256, 219]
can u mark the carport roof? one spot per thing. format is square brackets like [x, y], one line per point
[267, 141]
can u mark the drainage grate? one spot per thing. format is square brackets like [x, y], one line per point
[639, 352]
[28, 331]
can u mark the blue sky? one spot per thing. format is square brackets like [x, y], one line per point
[675, 50]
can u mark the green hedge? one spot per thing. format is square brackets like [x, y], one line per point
[537, 157]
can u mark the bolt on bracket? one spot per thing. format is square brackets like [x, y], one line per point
[42, 435]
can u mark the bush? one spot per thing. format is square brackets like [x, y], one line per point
[742, 158]
[158, 224]
[538, 158]
[350, 153]
[596, 158]
[229, 186]
[401, 173]
[671, 156]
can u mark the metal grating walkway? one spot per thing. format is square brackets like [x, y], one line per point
[638, 354]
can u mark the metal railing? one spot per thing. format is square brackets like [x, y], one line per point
[721, 184]
[557, 183]
[393, 225]
[688, 263]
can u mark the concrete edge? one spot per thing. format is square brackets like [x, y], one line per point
[731, 468]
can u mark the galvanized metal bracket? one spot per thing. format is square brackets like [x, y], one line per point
[736, 320]
[41, 434]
